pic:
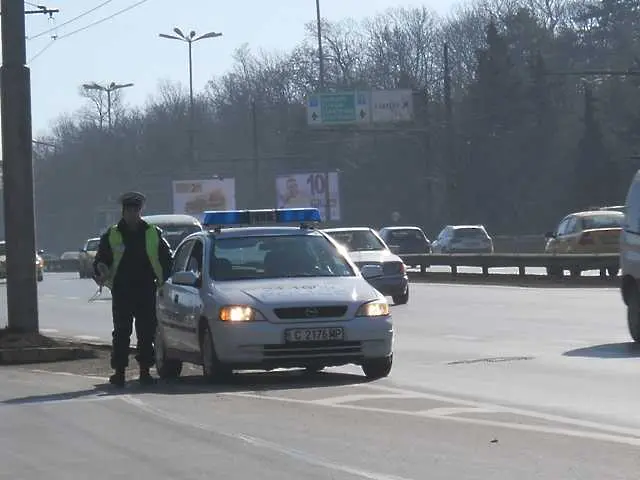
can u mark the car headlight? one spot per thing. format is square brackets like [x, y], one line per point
[376, 308]
[239, 313]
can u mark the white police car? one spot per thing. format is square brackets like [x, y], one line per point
[260, 297]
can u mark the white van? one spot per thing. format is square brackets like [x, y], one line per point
[175, 227]
[630, 258]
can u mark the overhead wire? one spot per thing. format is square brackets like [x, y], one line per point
[42, 50]
[82, 29]
[98, 22]
[71, 20]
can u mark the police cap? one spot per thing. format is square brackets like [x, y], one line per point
[132, 199]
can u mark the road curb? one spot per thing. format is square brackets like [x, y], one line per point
[21, 356]
[96, 344]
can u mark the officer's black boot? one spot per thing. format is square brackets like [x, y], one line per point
[117, 378]
[145, 377]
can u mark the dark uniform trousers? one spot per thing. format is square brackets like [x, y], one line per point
[138, 303]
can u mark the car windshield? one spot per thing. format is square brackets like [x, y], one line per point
[469, 232]
[174, 234]
[92, 245]
[277, 256]
[357, 240]
[605, 220]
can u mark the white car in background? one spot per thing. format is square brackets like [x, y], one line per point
[266, 297]
[367, 249]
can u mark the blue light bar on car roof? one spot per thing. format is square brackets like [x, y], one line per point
[222, 218]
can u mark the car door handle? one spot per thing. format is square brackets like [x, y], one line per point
[175, 299]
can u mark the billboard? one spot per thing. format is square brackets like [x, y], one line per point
[300, 190]
[193, 197]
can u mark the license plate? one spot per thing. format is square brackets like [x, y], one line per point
[299, 335]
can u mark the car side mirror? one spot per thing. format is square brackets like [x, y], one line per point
[371, 271]
[188, 279]
[549, 235]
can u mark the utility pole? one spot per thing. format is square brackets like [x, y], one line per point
[17, 171]
[190, 39]
[256, 155]
[109, 89]
[450, 158]
[327, 193]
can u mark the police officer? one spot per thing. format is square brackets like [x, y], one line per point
[132, 260]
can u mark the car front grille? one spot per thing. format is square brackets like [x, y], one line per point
[327, 311]
[311, 350]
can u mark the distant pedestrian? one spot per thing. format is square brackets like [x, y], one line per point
[133, 260]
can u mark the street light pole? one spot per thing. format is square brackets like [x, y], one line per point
[190, 39]
[327, 193]
[108, 89]
[17, 170]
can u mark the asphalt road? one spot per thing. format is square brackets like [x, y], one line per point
[488, 383]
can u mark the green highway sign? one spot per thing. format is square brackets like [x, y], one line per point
[338, 108]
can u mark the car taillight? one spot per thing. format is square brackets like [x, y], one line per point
[586, 239]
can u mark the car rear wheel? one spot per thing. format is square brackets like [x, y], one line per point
[168, 368]
[401, 299]
[633, 314]
[377, 368]
[212, 369]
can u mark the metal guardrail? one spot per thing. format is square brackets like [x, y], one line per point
[66, 265]
[487, 261]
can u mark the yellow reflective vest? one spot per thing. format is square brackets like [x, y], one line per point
[152, 242]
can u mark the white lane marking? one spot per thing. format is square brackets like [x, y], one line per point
[68, 374]
[260, 443]
[445, 411]
[48, 330]
[478, 406]
[52, 400]
[72, 298]
[608, 437]
[516, 411]
[461, 337]
[356, 398]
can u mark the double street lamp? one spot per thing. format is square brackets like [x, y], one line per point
[108, 89]
[189, 40]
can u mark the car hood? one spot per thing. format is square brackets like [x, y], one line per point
[296, 291]
[375, 256]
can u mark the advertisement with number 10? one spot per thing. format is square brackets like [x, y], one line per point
[302, 190]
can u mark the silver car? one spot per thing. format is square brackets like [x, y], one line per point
[463, 239]
[269, 297]
[366, 248]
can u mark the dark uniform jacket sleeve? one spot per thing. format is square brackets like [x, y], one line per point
[104, 253]
[166, 259]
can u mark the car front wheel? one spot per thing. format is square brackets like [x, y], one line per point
[378, 367]
[212, 369]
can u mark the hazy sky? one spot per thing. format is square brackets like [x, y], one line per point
[126, 48]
